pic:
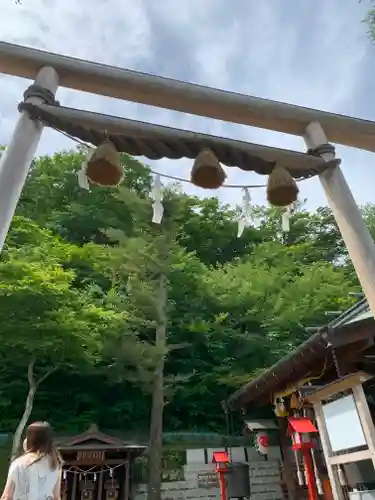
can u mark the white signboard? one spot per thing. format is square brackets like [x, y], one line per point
[343, 424]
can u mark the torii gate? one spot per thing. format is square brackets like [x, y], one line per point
[316, 127]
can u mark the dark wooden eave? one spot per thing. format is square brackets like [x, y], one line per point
[310, 358]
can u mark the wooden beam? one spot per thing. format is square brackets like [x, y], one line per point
[348, 458]
[339, 385]
[110, 461]
[348, 335]
[185, 97]
[366, 419]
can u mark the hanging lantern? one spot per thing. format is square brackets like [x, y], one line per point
[261, 442]
[103, 167]
[280, 408]
[282, 189]
[207, 172]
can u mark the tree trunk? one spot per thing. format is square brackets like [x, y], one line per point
[16, 444]
[33, 385]
[157, 410]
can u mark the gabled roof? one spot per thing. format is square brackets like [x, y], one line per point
[302, 360]
[94, 439]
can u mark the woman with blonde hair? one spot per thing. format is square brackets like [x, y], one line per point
[35, 475]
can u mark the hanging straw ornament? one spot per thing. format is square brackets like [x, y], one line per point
[282, 189]
[244, 219]
[157, 196]
[207, 172]
[285, 218]
[103, 166]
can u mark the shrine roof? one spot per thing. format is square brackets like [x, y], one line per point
[309, 358]
[92, 439]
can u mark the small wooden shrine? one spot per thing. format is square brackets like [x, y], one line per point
[327, 383]
[97, 466]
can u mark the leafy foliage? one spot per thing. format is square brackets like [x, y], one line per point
[76, 294]
[370, 21]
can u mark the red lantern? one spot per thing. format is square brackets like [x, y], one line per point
[299, 429]
[222, 460]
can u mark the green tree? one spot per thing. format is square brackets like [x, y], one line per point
[53, 198]
[45, 322]
[234, 305]
[143, 266]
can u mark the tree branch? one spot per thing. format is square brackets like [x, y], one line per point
[46, 375]
[30, 373]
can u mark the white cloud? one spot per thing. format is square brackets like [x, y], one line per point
[308, 53]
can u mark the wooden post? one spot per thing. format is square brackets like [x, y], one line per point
[357, 237]
[100, 485]
[17, 158]
[74, 487]
[366, 419]
[127, 478]
[327, 450]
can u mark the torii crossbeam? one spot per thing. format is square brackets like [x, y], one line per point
[316, 127]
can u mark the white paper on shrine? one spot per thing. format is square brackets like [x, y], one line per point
[340, 416]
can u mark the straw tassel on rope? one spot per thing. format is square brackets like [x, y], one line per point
[282, 189]
[207, 172]
[103, 167]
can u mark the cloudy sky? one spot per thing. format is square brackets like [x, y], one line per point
[310, 53]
